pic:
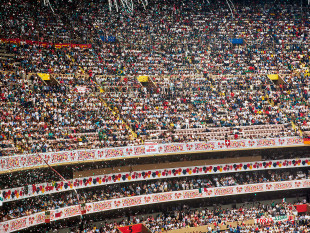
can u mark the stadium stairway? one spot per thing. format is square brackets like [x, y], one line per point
[148, 83]
[50, 81]
[115, 112]
[277, 80]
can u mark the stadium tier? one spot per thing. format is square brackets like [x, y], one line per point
[154, 116]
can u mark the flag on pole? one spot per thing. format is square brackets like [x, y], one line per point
[47, 216]
[83, 208]
[58, 214]
[203, 190]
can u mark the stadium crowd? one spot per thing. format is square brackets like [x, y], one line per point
[33, 205]
[193, 36]
[213, 219]
[41, 118]
[202, 86]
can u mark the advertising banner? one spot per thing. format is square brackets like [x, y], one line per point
[29, 191]
[71, 211]
[26, 161]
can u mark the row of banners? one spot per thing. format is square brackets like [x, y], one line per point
[119, 203]
[44, 44]
[18, 193]
[27, 161]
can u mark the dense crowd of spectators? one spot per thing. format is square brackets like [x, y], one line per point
[54, 201]
[199, 80]
[37, 117]
[212, 218]
[163, 224]
[168, 37]
[201, 87]
[192, 109]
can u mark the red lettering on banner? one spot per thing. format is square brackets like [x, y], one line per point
[31, 220]
[281, 141]
[264, 220]
[72, 211]
[178, 196]
[237, 144]
[151, 147]
[3, 163]
[254, 188]
[22, 161]
[100, 206]
[112, 153]
[139, 150]
[306, 184]
[192, 194]
[100, 153]
[5, 227]
[278, 186]
[147, 199]
[13, 162]
[205, 146]
[297, 184]
[34, 160]
[60, 157]
[251, 143]
[86, 155]
[223, 191]
[45, 44]
[132, 201]
[162, 197]
[18, 224]
[291, 141]
[173, 148]
[40, 218]
[266, 142]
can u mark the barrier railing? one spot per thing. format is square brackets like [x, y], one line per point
[18, 193]
[119, 203]
[28, 161]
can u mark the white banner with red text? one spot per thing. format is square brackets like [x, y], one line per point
[67, 212]
[268, 220]
[29, 191]
[27, 161]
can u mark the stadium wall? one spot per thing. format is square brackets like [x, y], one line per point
[34, 190]
[72, 211]
[32, 161]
